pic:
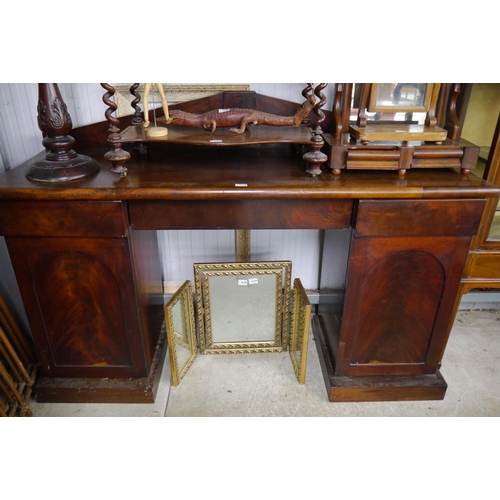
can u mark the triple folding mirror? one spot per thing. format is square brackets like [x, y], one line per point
[239, 308]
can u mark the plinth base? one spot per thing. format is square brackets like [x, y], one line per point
[56, 171]
[104, 390]
[375, 388]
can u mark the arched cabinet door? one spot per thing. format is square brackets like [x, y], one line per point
[80, 291]
[403, 276]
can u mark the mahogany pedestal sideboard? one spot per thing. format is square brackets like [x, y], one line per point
[86, 259]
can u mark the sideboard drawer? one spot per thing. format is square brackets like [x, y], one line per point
[328, 213]
[380, 218]
[63, 219]
[484, 265]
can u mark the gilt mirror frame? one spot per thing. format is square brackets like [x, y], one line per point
[301, 324]
[184, 339]
[232, 273]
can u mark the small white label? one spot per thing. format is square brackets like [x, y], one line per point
[242, 282]
[253, 281]
[223, 110]
[215, 140]
[241, 185]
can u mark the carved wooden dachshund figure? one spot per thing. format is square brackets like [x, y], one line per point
[233, 117]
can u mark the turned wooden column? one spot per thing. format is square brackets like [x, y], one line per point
[116, 155]
[61, 162]
[315, 158]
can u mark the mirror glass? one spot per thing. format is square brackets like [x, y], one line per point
[299, 339]
[389, 103]
[399, 95]
[179, 319]
[240, 306]
[243, 308]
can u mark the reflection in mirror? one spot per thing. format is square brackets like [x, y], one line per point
[392, 102]
[299, 340]
[399, 95]
[243, 308]
[179, 319]
[240, 306]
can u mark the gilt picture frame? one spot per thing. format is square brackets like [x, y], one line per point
[243, 307]
[181, 333]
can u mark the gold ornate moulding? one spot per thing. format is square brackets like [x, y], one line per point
[173, 93]
[180, 328]
[241, 308]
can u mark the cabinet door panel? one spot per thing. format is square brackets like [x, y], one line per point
[80, 297]
[399, 324]
[85, 326]
[399, 301]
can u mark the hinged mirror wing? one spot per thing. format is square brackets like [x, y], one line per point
[299, 338]
[180, 326]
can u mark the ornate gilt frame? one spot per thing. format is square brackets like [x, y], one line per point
[187, 338]
[173, 93]
[203, 272]
[301, 324]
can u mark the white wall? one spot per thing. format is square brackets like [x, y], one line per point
[20, 139]
[2, 166]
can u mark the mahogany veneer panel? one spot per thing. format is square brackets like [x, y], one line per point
[78, 294]
[418, 217]
[75, 218]
[385, 335]
[267, 174]
[241, 214]
[399, 297]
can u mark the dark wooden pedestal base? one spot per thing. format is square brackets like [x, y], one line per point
[380, 388]
[104, 390]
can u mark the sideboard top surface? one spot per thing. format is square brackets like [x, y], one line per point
[260, 172]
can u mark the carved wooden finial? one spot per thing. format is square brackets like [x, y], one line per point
[61, 162]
